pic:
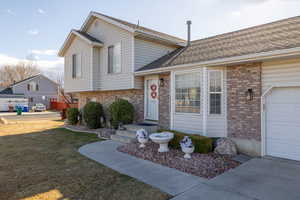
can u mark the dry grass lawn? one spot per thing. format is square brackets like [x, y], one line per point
[39, 160]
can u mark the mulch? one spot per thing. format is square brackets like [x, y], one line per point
[203, 165]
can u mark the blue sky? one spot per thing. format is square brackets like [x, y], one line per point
[36, 29]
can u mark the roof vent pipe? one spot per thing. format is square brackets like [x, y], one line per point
[189, 22]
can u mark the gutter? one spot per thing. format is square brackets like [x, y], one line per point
[226, 61]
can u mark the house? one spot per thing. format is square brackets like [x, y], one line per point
[37, 89]
[244, 85]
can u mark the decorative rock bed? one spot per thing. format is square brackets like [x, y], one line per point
[104, 133]
[203, 165]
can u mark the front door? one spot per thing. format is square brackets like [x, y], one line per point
[151, 99]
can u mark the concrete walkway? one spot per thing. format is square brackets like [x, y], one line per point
[257, 179]
[168, 180]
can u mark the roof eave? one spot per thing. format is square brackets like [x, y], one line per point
[285, 53]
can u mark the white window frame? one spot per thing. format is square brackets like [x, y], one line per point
[114, 71]
[32, 86]
[209, 92]
[174, 92]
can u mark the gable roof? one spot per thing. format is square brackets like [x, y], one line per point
[7, 90]
[30, 78]
[135, 27]
[81, 34]
[279, 35]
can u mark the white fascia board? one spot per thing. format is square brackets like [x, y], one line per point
[229, 61]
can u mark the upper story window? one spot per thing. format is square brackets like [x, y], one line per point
[215, 91]
[32, 86]
[187, 93]
[76, 66]
[114, 58]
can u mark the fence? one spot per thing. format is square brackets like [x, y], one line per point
[60, 105]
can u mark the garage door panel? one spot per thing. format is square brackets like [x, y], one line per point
[283, 123]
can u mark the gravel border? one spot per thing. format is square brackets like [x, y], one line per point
[203, 165]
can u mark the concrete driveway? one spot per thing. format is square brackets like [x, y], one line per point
[260, 179]
[29, 116]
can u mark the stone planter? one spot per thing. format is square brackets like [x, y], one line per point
[188, 151]
[162, 139]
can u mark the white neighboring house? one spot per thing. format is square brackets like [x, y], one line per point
[244, 85]
[37, 89]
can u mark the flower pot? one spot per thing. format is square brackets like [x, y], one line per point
[142, 141]
[188, 151]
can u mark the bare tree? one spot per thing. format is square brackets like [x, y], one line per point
[14, 73]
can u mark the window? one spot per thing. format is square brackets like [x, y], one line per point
[76, 66]
[215, 92]
[114, 58]
[187, 93]
[32, 86]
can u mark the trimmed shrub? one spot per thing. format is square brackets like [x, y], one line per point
[72, 115]
[121, 111]
[92, 114]
[202, 144]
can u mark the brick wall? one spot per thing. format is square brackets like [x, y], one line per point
[136, 97]
[243, 115]
[164, 102]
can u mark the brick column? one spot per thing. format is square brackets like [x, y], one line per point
[164, 102]
[243, 115]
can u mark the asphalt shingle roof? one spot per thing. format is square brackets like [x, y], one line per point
[283, 34]
[87, 36]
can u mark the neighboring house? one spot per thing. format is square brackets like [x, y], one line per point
[37, 89]
[244, 85]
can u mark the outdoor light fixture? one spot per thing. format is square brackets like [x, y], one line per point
[249, 94]
[161, 82]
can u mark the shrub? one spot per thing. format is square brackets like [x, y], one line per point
[202, 144]
[72, 115]
[92, 114]
[121, 111]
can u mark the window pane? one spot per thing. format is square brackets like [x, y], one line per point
[215, 81]
[74, 65]
[117, 58]
[215, 103]
[187, 89]
[78, 66]
[110, 59]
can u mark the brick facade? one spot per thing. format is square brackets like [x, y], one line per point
[164, 102]
[136, 97]
[243, 115]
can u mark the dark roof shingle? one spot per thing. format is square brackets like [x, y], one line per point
[283, 34]
[87, 36]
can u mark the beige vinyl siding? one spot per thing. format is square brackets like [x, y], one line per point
[279, 73]
[111, 35]
[96, 68]
[82, 49]
[217, 124]
[146, 52]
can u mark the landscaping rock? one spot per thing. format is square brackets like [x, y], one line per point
[225, 146]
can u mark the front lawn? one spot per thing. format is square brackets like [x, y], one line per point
[40, 161]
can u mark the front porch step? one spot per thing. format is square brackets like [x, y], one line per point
[122, 139]
[126, 133]
[150, 128]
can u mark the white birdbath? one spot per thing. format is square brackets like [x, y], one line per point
[162, 139]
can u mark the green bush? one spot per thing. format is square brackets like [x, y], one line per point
[121, 111]
[72, 115]
[92, 114]
[202, 144]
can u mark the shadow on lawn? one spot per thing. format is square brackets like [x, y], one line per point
[46, 165]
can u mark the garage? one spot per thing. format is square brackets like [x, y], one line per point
[283, 123]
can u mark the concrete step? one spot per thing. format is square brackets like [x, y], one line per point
[150, 128]
[126, 133]
[122, 139]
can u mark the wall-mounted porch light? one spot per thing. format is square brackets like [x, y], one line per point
[161, 82]
[249, 94]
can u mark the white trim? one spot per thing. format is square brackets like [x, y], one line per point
[172, 92]
[231, 60]
[133, 61]
[204, 102]
[263, 113]
[92, 69]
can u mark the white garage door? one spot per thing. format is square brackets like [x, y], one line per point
[283, 123]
